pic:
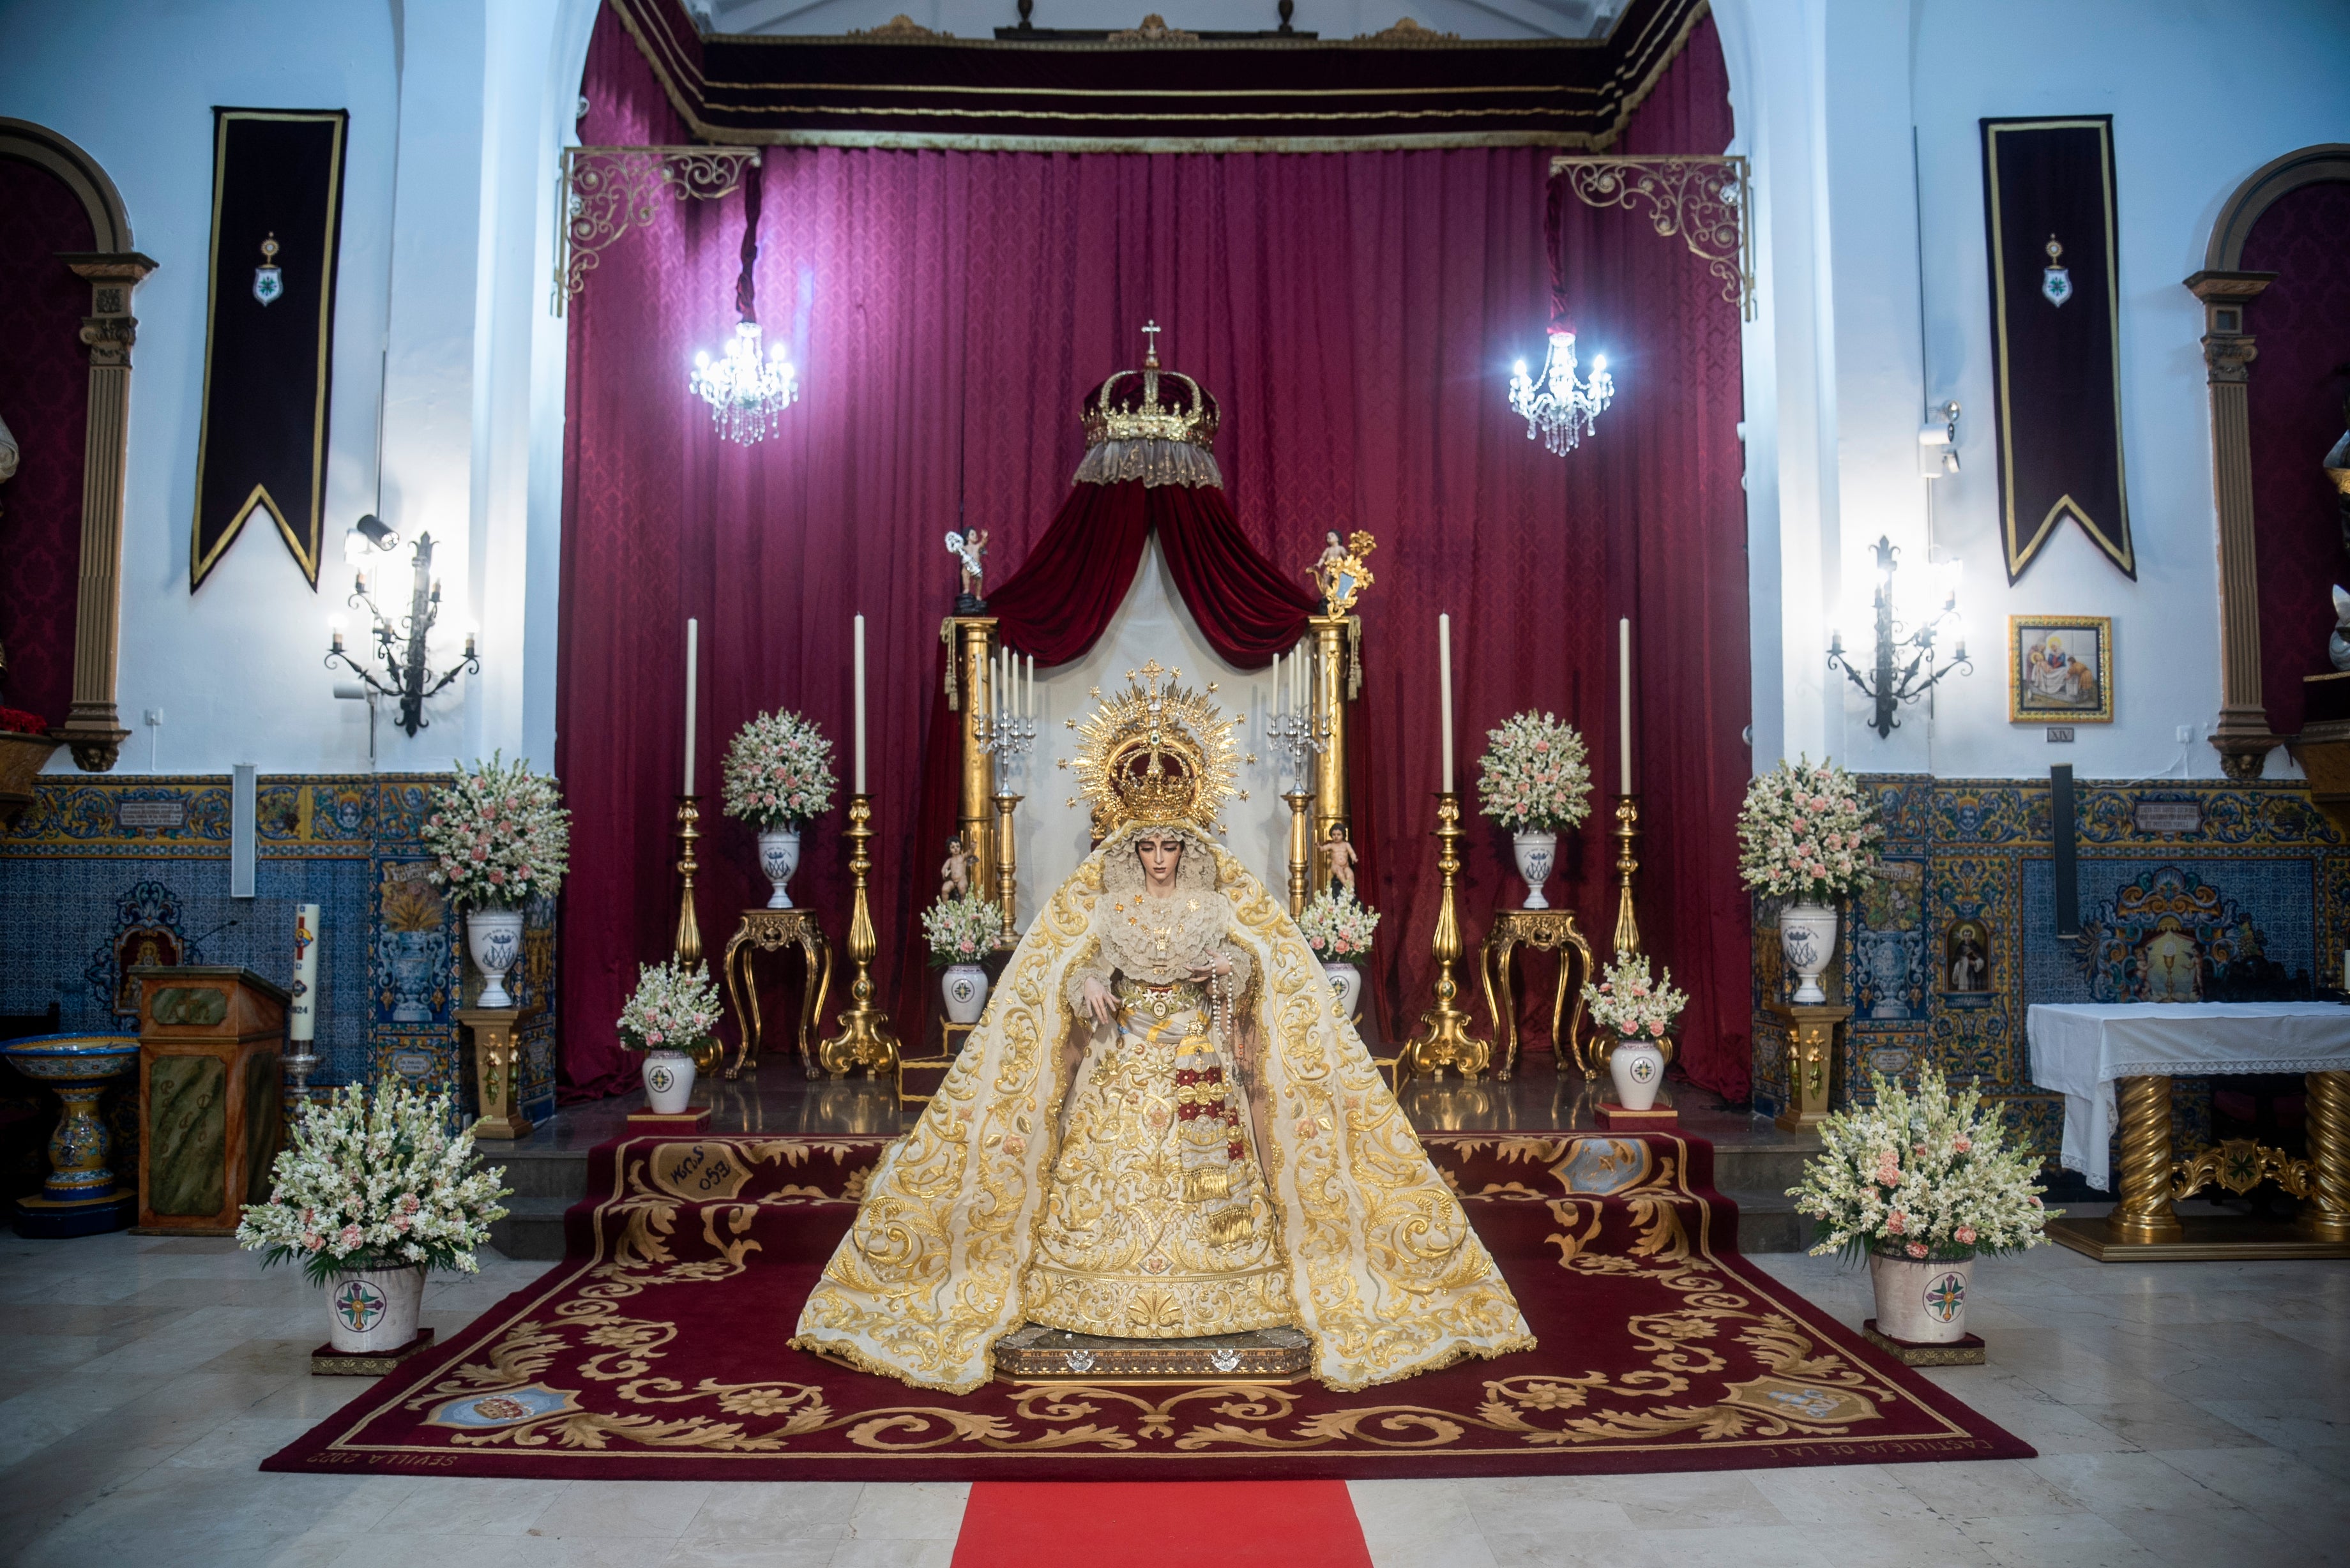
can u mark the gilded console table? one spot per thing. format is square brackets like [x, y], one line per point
[1549, 931]
[766, 930]
[2114, 1063]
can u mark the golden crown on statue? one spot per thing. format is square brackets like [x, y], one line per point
[1156, 752]
[1154, 410]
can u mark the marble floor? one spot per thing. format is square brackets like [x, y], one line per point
[2187, 1413]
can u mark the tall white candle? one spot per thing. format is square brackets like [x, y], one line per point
[302, 1013]
[1279, 692]
[1029, 710]
[1624, 701]
[693, 658]
[860, 704]
[1444, 678]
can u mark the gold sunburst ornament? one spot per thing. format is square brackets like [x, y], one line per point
[1156, 752]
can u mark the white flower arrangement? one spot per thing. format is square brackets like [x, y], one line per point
[375, 1180]
[1627, 1003]
[1921, 1175]
[499, 836]
[1533, 776]
[1807, 832]
[962, 930]
[779, 771]
[1338, 926]
[673, 1008]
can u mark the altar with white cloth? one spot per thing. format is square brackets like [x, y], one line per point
[2116, 1062]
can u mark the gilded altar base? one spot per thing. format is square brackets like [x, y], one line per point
[1040, 1355]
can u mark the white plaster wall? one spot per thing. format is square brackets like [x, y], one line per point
[1828, 94]
[440, 307]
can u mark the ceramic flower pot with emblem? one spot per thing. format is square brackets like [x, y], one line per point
[1537, 854]
[374, 1309]
[964, 986]
[1346, 982]
[1638, 1067]
[669, 1081]
[495, 938]
[779, 858]
[1920, 1300]
[1807, 939]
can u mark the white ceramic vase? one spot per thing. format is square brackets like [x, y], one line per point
[1921, 1300]
[1537, 857]
[779, 856]
[374, 1309]
[669, 1081]
[1346, 982]
[495, 938]
[1637, 1067]
[964, 985]
[1807, 939]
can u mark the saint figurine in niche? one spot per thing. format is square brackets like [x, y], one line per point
[1161, 1128]
[1966, 959]
[1337, 861]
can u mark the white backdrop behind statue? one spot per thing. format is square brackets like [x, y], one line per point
[1151, 623]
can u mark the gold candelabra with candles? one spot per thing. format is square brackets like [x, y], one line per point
[687, 945]
[865, 1039]
[1627, 829]
[1007, 870]
[1300, 849]
[1442, 1039]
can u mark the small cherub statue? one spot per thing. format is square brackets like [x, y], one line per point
[1339, 571]
[1338, 860]
[954, 875]
[970, 549]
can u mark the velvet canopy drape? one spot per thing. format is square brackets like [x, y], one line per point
[1354, 314]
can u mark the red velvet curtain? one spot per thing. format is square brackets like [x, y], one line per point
[2293, 402]
[45, 399]
[1355, 315]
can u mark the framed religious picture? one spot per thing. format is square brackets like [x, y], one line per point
[2060, 668]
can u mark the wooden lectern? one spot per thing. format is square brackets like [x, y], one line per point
[211, 1100]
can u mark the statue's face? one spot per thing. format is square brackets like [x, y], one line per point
[1161, 853]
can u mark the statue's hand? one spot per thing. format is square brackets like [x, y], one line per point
[1098, 1003]
[1221, 967]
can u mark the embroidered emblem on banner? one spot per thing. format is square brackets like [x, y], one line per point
[268, 278]
[2056, 278]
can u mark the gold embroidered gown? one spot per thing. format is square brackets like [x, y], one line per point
[1115, 1181]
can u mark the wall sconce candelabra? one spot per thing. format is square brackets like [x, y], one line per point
[1906, 668]
[408, 677]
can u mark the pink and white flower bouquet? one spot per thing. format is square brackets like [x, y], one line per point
[1921, 1174]
[1338, 926]
[778, 772]
[674, 1008]
[1630, 1003]
[1533, 777]
[1807, 832]
[963, 930]
[499, 836]
[375, 1180]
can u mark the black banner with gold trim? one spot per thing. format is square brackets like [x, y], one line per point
[2055, 324]
[269, 340]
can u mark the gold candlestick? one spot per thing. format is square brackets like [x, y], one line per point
[688, 944]
[865, 1039]
[1443, 1039]
[1300, 849]
[1008, 871]
[1627, 828]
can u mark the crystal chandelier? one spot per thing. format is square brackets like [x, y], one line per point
[746, 392]
[1560, 408]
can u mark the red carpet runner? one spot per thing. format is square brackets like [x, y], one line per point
[657, 1350]
[1162, 1524]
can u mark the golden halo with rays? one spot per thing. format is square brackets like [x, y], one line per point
[1156, 752]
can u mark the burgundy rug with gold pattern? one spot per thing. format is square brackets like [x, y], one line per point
[657, 1350]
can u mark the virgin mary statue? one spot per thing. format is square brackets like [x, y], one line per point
[1162, 1129]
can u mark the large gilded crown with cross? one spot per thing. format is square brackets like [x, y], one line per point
[1156, 753]
[1150, 404]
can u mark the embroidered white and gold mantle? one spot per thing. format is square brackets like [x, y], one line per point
[1378, 1263]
